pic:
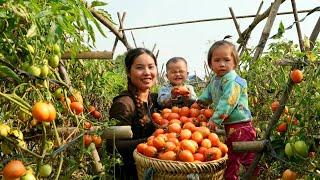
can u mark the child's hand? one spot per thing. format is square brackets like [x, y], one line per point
[212, 126]
[200, 105]
[180, 91]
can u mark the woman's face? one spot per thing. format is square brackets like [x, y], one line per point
[143, 72]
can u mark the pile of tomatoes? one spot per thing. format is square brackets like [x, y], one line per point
[183, 135]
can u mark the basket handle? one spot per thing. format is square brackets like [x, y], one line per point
[148, 173]
[193, 177]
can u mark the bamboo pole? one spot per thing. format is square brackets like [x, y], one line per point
[111, 27]
[89, 55]
[296, 18]
[96, 159]
[134, 40]
[257, 19]
[267, 29]
[121, 20]
[315, 33]
[249, 146]
[245, 39]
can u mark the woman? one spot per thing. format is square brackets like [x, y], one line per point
[135, 105]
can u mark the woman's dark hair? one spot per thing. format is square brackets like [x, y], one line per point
[132, 54]
[174, 60]
[217, 44]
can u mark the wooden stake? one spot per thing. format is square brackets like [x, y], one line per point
[249, 146]
[315, 33]
[110, 26]
[134, 40]
[267, 28]
[296, 18]
[89, 55]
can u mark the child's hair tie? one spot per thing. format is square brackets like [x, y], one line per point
[227, 37]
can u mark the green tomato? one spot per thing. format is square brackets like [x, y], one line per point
[44, 71]
[4, 130]
[34, 70]
[54, 61]
[288, 150]
[28, 176]
[23, 116]
[25, 66]
[58, 93]
[301, 148]
[56, 49]
[45, 170]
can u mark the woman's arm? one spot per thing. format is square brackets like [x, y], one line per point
[123, 109]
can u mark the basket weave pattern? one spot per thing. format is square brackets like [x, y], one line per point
[176, 170]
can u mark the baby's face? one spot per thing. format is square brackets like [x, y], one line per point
[177, 73]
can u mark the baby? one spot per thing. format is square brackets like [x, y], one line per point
[176, 92]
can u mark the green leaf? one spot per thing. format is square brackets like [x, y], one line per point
[9, 73]
[98, 3]
[280, 32]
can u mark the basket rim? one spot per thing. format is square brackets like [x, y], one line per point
[170, 165]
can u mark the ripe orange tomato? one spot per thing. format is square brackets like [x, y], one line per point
[212, 153]
[213, 137]
[206, 143]
[169, 155]
[194, 112]
[195, 106]
[87, 139]
[76, 107]
[14, 169]
[282, 127]
[190, 126]
[275, 105]
[198, 157]
[159, 142]
[141, 147]
[52, 113]
[150, 151]
[91, 109]
[87, 125]
[223, 147]
[184, 111]
[197, 137]
[296, 76]
[40, 111]
[174, 127]
[208, 113]
[189, 145]
[158, 131]
[175, 109]
[185, 134]
[97, 140]
[96, 114]
[169, 146]
[186, 156]
[173, 116]
[289, 175]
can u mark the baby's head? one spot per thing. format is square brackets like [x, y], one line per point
[177, 70]
[223, 57]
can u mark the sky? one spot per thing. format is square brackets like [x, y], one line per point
[192, 41]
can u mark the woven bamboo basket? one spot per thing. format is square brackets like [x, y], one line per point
[177, 170]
